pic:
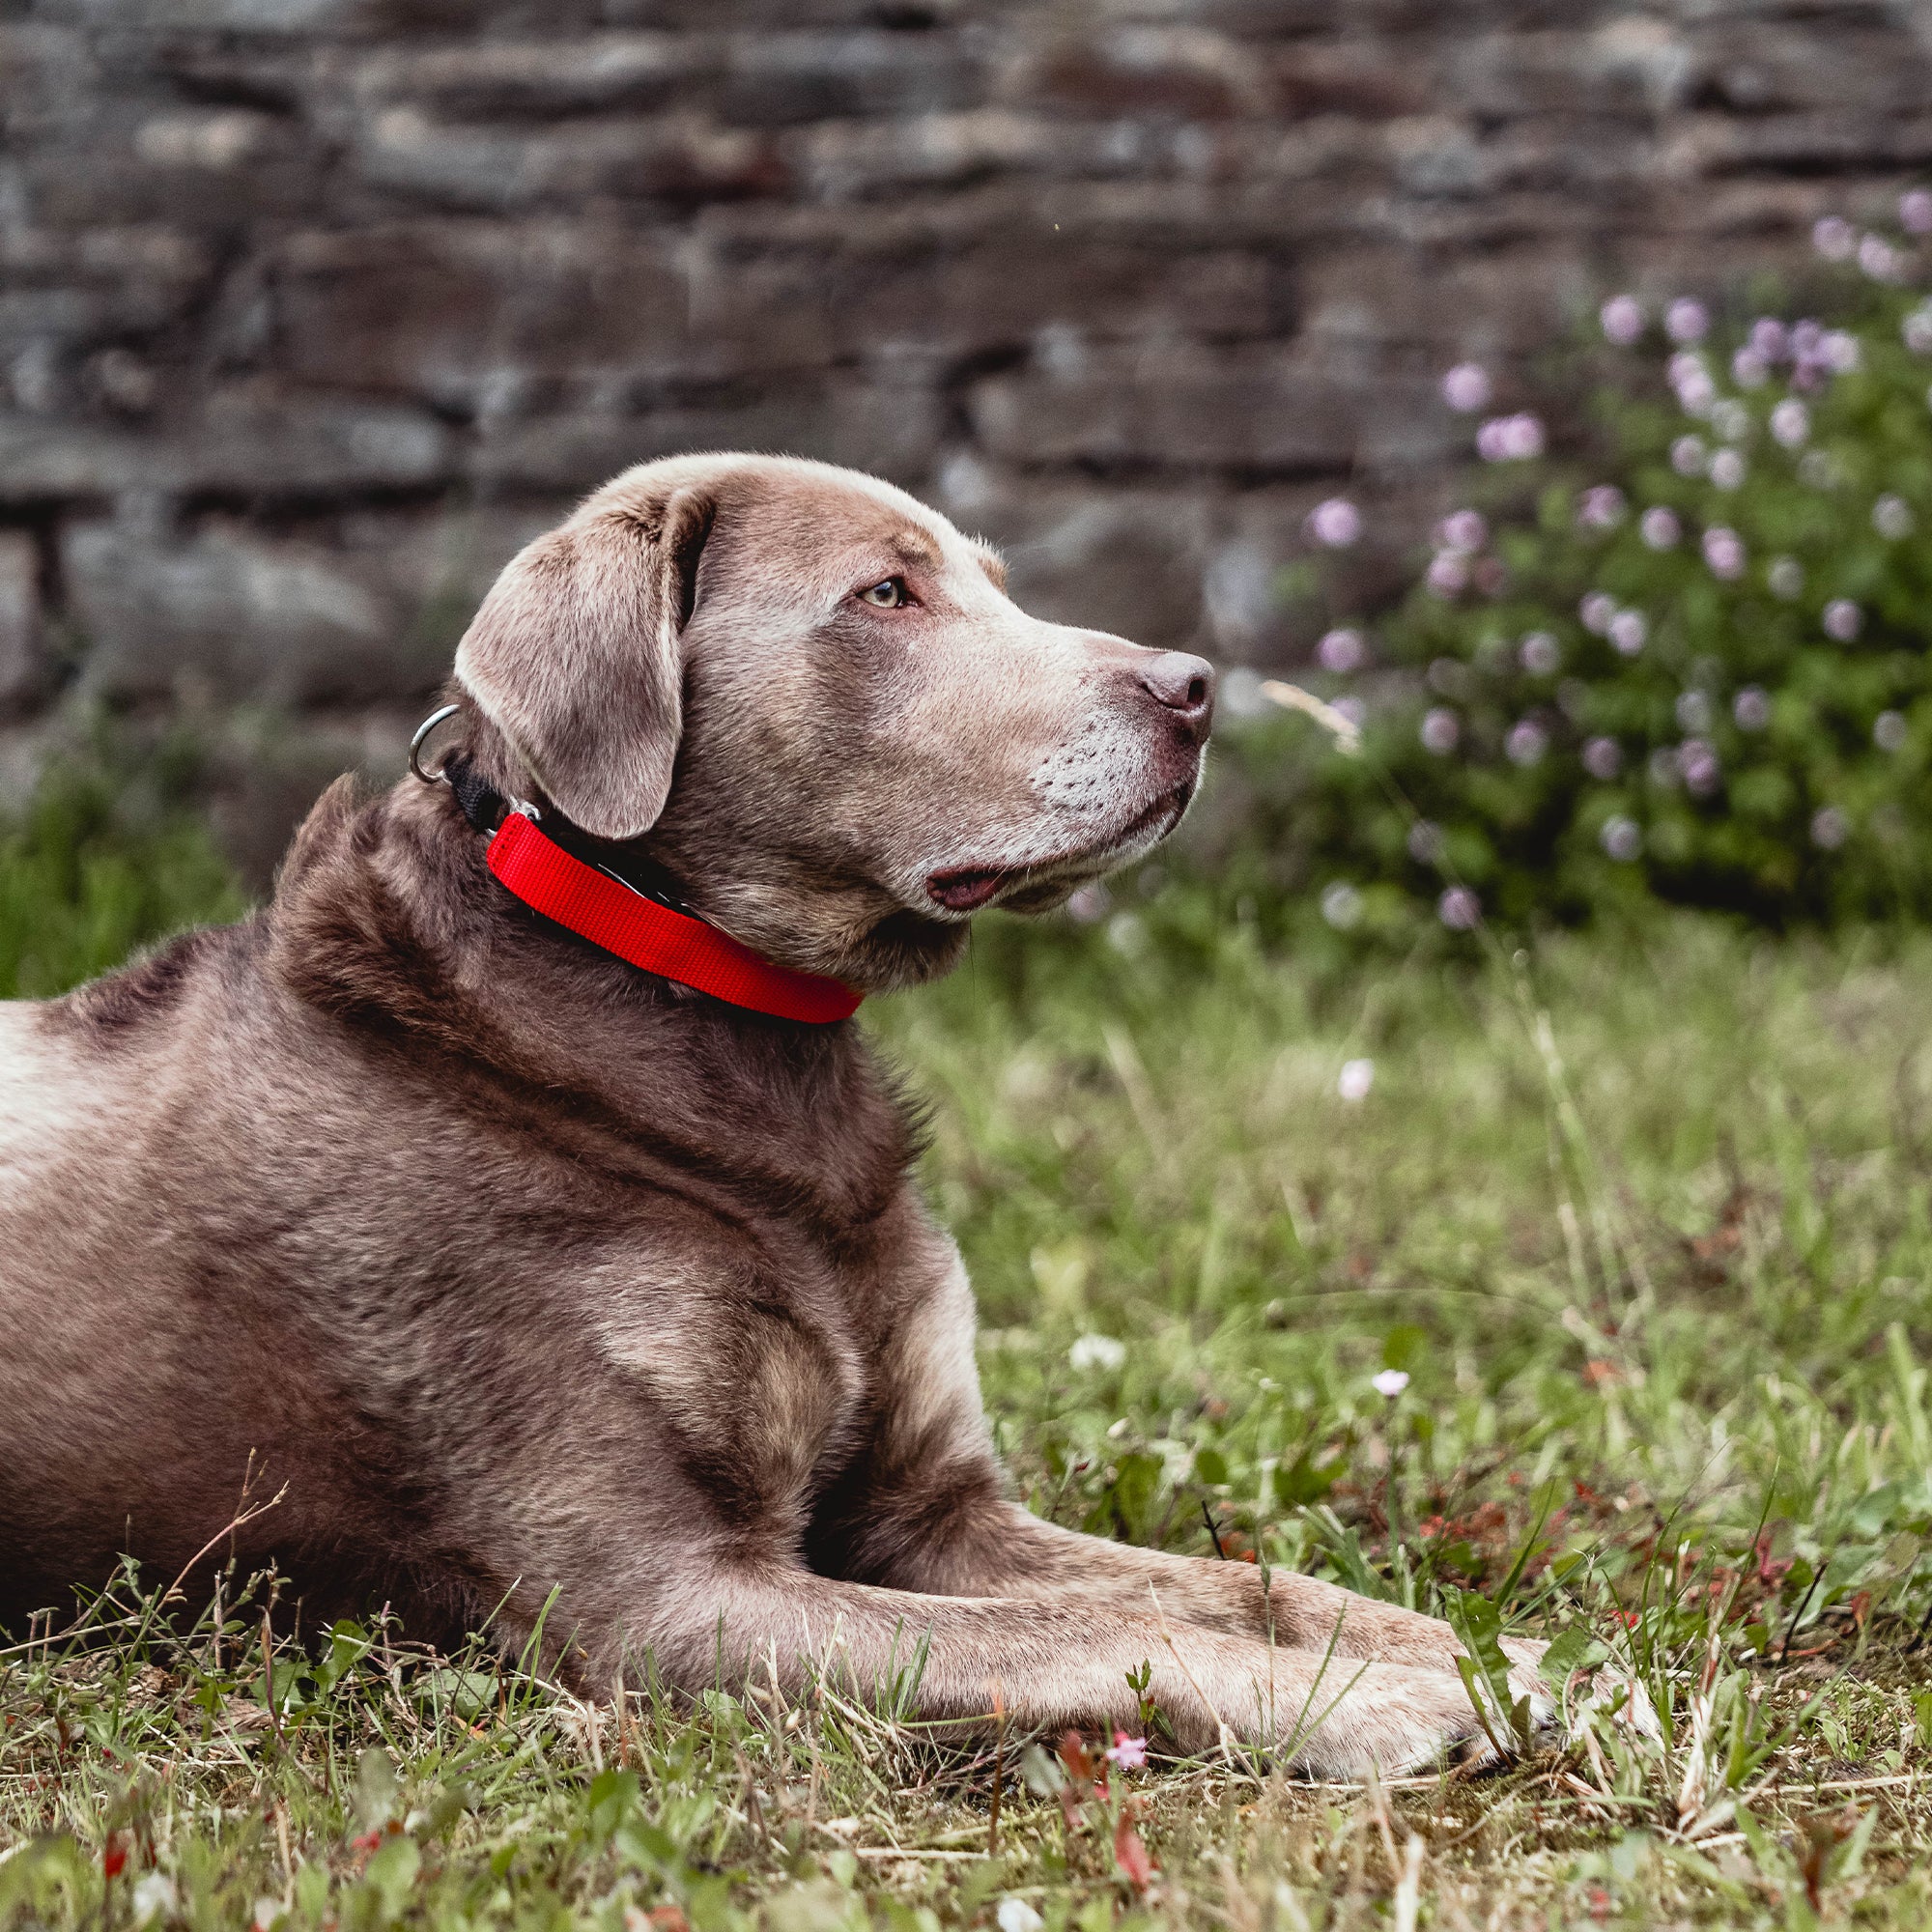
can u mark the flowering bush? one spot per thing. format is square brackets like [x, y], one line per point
[1698, 666]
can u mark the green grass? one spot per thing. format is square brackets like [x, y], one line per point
[1646, 1217]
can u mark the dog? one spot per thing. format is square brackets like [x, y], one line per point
[597, 1304]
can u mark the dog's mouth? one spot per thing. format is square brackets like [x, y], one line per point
[966, 889]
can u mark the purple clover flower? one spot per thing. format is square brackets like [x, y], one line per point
[1843, 619]
[1466, 387]
[1687, 319]
[1724, 552]
[1622, 320]
[1335, 523]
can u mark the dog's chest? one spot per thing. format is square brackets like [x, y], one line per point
[777, 1361]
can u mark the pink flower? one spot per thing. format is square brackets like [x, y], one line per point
[1628, 632]
[1527, 743]
[1843, 619]
[1540, 654]
[1751, 708]
[1770, 338]
[1466, 387]
[1389, 1383]
[1460, 909]
[1600, 508]
[1440, 729]
[1791, 422]
[1448, 573]
[1596, 611]
[1335, 523]
[1660, 528]
[1915, 212]
[1724, 551]
[1622, 318]
[1129, 1754]
[1839, 351]
[1879, 259]
[1834, 237]
[1510, 438]
[1749, 369]
[1602, 759]
[1463, 531]
[1341, 651]
[1687, 319]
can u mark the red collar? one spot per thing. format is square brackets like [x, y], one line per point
[599, 908]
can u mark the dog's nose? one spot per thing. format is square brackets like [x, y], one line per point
[1181, 683]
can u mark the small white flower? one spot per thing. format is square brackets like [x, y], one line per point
[1843, 619]
[1879, 259]
[153, 1898]
[1356, 1079]
[1791, 422]
[1917, 330]
[1466, 388]
[1596, 612]
[1751, 709]
[1097, 1351]
[1448, 572]
[1839, 351]
[1749, 369]
[1694, 711]
[1090, 904]
[1891, 517]
[1786, 577]
[1016, 1915]
[1460, 909]
[1342, 905]
[1915, 212]
[1834, 239]
[1891, 731]
[1660, 528]
[1622, 320]
[1830, 828]
[1727, 469]
[1770, 338]
[1391, 1382]
[1622, 839]
[1424, 842]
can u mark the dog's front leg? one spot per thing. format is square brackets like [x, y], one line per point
[983, 1545]
[1053, 1664]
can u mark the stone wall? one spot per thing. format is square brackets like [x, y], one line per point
[313, 310]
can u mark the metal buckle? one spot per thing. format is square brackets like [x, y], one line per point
[428, 724]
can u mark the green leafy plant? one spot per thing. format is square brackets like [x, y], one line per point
[1690, 662]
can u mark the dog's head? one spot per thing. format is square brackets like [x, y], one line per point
[810, 700]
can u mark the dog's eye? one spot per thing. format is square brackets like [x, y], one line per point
[888, 595]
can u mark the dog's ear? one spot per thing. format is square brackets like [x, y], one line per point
[575, 656]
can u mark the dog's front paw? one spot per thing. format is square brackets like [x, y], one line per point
[1395, 1717]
